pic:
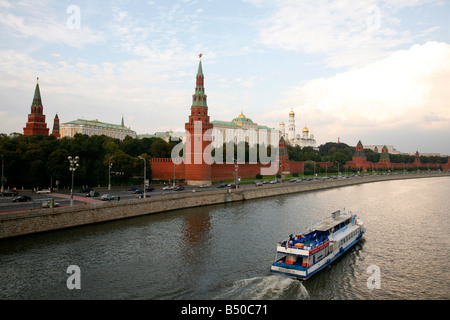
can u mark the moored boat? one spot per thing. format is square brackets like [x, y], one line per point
[305, 254]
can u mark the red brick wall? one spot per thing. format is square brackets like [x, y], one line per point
[162, 169]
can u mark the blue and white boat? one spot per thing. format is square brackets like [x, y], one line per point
[304, 255]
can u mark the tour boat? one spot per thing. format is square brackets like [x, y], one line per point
[304, 255]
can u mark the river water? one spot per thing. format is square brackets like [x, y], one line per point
[225, 251]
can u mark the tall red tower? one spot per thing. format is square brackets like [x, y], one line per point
[55, 131]
[198, 136]
[36, 119]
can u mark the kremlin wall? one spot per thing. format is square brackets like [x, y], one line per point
[196, 170]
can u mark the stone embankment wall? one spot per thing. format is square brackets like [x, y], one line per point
[29, 222]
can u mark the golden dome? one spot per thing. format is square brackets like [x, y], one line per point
[281, 123]
[242, 115]
[292, 113]
[305, 130]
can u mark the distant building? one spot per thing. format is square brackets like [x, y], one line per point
[292, 138]
[95, 127]
[242, 129]
[166, 136]
[377, 148]
[36, 119]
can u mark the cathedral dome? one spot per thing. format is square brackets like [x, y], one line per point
[306, 130]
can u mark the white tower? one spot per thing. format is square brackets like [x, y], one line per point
[282, 130]
[291, 129]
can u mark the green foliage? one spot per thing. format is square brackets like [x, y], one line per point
[40, 161]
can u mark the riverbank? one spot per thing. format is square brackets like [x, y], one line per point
[29, 222]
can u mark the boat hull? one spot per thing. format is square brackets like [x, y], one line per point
[304, 273]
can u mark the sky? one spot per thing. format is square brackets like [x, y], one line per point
[375, 71]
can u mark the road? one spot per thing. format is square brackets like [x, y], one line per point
[122, 193]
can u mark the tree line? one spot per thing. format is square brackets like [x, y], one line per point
[342, 153]
[42, 161]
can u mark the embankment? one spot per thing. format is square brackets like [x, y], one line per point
[28, 222]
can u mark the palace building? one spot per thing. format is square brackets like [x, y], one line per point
[242, 129]
[95, 127]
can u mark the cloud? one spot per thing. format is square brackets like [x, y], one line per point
[347, 33]
[36, 20]
[407, 89]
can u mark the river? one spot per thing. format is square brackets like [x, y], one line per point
[225, 251]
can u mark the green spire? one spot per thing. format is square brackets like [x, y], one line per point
[199, 98]
[37, 92]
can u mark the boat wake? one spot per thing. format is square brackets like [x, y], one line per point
[273, 287]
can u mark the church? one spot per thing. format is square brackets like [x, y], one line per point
[292, 138]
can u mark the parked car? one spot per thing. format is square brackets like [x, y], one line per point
[258, 183]
[179, 188]
[22, 199]
[221, 185]
[167, 188]
[204, 186]
[133, 188]
[138, 191]
[107, 197]
[42, 191]
[150, 189]
[47, 204]
[10, 193]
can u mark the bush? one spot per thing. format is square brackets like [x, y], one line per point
[259, 176]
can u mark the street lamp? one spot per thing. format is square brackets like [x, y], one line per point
[3, 168]
[73, 166]
[109, 172]
[145, 175]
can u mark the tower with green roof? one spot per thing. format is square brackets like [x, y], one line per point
[36, 124]
[198, 136]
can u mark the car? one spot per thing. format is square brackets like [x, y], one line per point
[133, 188]
[150, 189]
[204, 186]
[258, 183]
[167, 188]
[107, 197]
[273, 182]
[43, 191]
[221, 185]
[178, 188]
[93, 194]
[48, 204]
[138, 191]
[293, 180]
[10, 193]
[22, 199]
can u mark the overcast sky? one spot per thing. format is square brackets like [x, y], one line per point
[375, 71]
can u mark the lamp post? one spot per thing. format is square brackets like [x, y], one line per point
[109, 172]
[338, 168]
[3, 168]
[73, 166]
[145, 175]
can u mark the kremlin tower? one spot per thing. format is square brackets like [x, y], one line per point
[55, 131]
[36, 119]
[198, 136]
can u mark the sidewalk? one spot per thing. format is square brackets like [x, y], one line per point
[87, 200]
